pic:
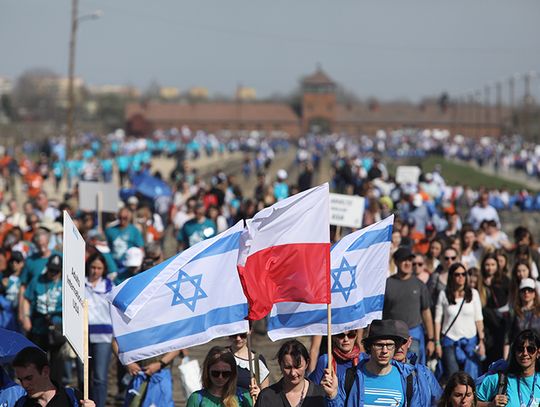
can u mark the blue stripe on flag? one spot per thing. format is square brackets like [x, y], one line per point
[372, 237]
[179, 329]
[133, 287]
[223, 245]
[339, 315]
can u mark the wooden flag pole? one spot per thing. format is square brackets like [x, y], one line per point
[86, 382]
[250, 361]
[329, 330]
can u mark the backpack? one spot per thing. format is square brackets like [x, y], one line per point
[350, 374]
[69, 392]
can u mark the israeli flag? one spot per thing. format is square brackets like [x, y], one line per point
[187, 300]
[359, 268]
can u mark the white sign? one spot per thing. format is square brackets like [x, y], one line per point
[88, 196]
[346, 210]
[407, 174]
[73, 286]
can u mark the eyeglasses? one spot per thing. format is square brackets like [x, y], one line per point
[450, 257]
[242, 336]
[460, 274]
[530, 349]
[418, 264]
[380, 346]
[350, 335]
[223, 373]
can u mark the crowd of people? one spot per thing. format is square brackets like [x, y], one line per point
[461, 307]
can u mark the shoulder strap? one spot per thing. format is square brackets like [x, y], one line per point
[409, 389]
[454, 320]
[21, 401]
[502, 383]
[349, 380]
[199, 397]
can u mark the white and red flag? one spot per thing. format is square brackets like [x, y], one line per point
[284, 253]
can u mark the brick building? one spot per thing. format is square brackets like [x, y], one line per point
[320, 112]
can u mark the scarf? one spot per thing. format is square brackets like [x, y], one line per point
[339, 354]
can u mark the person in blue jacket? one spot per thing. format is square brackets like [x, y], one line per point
[379, 380]
[423, 377]
[10, 392]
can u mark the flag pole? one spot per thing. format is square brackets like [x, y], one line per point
[329, 330]
[250, 360]
[86, 383]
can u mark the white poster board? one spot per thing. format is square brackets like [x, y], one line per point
[407, 174]
[346, 210]
[73, 286]
[88, 196]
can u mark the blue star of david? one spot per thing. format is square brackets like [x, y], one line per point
[337, 287]
[178, 298]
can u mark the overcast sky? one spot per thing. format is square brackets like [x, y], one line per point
[389, 49]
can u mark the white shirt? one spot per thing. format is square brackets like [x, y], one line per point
[465, 325]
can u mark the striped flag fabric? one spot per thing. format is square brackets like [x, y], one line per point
[187, 300]
[284, 253]
[359, 268]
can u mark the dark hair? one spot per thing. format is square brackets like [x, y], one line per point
[514, 367]
[31, 356]
[93, 257]
[467, 228]
[458, 378]
[520, 233]
[451, 286]
[498, 274]
[295, 349]
[215, 355]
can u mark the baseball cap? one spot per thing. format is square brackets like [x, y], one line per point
[402, 253]
[134, 257]
[54, 263]
[527, 283]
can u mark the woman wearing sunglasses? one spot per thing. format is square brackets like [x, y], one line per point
[219, 382]
[241, 355]
[525, 313]
[293, 390]
[459, 327]
[345, 354]
[522, 388]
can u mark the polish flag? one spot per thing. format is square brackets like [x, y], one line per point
[285, 253]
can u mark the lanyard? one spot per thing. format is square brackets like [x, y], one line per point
[531, 399]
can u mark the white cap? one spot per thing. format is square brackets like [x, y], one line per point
[282, 174]
[417, 200]
[134, 257]
[527, 283]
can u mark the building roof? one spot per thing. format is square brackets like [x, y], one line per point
[318, 78]
[213, 112]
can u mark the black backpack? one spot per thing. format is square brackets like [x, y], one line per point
[350, 374]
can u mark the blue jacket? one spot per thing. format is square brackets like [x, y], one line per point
[341, 370]
[158, 392]
[10, 391]
[426, 390]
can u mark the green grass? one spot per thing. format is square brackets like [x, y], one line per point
[455, 173]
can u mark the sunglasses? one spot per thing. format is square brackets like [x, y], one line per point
[527, 290]
[460, 274]
[350, 335]
[223, 373]
[530, 349]
[242, 336]
[450, 258]
[418, 264]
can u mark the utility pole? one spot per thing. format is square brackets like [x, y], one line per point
[71, 73]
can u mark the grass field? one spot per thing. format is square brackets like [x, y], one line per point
[455, 173]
